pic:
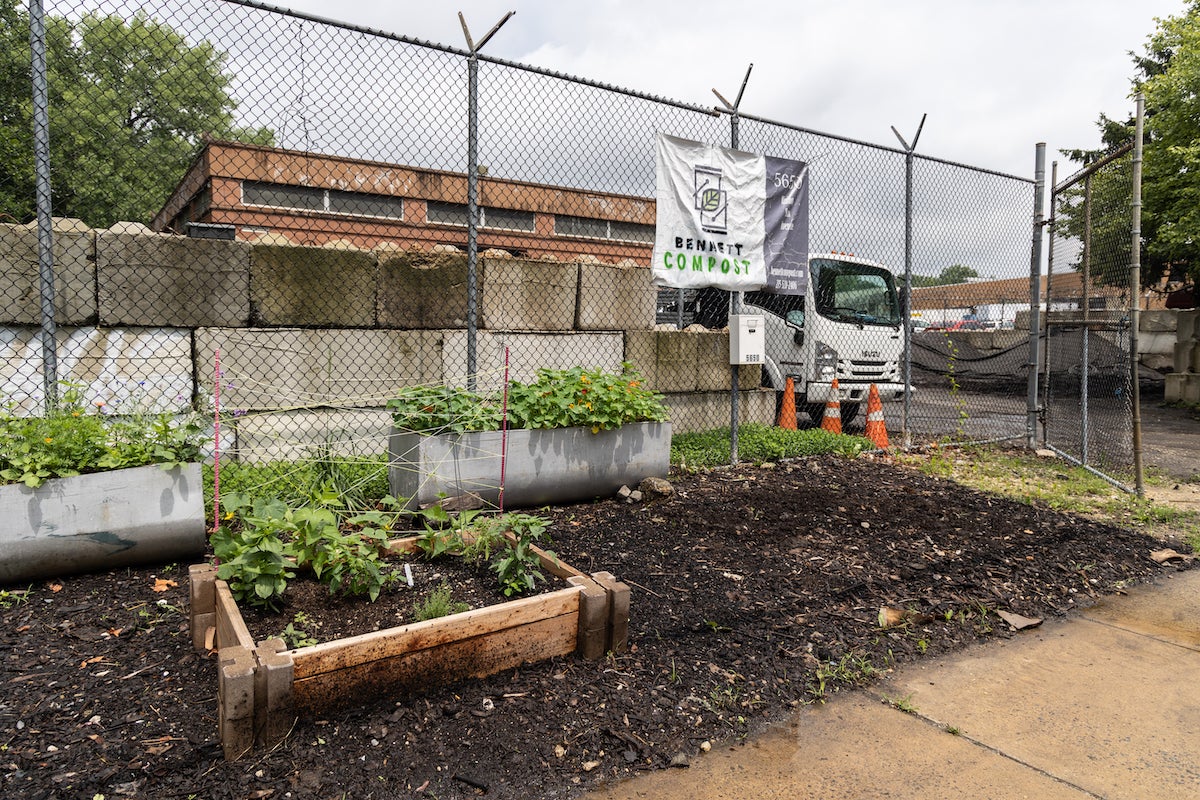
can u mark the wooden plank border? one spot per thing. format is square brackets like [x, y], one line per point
[262, 688]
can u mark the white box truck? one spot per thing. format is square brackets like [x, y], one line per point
[847, 325]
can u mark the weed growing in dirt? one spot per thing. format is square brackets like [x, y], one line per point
[438, 604]
[850, 670]
[901, 703]
[295, 636]
[758, 444]
[14, 597]
[1053, 484]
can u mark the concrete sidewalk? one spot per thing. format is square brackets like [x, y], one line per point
[1105, 705]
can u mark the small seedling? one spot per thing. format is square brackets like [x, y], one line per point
[438, 604]
[901, 703]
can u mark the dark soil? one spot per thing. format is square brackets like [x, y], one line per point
[751, 588]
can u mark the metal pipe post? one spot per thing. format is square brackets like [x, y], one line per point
[472, 214]
[1045, 388]
[1035, 273]
[45, 226]
[1135, 291]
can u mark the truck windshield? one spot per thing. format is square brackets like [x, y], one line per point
[848, 292]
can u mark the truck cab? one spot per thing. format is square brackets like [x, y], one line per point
[847, 325]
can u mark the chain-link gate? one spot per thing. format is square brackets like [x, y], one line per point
[334, 213]
[1088, 386]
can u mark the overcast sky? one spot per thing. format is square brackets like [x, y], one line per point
[994, 78]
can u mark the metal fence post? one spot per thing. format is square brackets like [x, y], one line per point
[1035, 271]
[45, 232]
[735, 298]
[906, 312]
[1135, 291]
[473, 192]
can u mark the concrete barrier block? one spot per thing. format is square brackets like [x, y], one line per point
[74, 274]
[521, 295]
[273, 368]
[312, 286]
[142, 369]
[704, 411]
[1185, 356]
[262, 437]
[1182, 388]
[1156, 343]
[1158, 321]
[1188, 325]
[641, 350]
[676, 354]
[423, 290]
[145, 278]
[615, 297]
[712, 363]
[527, 353]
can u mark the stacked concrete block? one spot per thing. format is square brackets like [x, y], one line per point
[615, 298]
[1156, 339]
[522, 295]
[693, 359]
[152, 279]
[527, 353]
[263, 437]
[703, 411]
[422, 290]
[312, 286]
[1183, 385]
[132, 369]
[74, 274]
[271, 368]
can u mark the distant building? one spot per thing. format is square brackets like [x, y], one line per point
[997, 302]
[268, 194]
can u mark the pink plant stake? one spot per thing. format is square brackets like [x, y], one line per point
[216, 439]
[503, 432]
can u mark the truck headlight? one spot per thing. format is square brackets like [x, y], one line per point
[825, 363]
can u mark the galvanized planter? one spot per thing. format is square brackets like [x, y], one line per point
[99, 521]
[542, 466]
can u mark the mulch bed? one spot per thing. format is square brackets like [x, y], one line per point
[747, 584]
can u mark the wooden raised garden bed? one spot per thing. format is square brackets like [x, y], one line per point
[263, 686]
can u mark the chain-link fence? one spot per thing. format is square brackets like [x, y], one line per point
[295, 218]
[1088, 390]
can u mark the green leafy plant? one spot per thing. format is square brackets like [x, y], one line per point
[518, 566]
[564, 398]
[255, 560]
[438, 604]
[74, 439]
[443, 409]
[275, 541]
[557, 398]
[295, 636]
[759, 444]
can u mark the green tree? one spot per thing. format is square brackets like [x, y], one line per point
[955, 273]
[1168, 72]
[130, 104]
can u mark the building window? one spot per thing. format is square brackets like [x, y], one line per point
[331, 201]
[602, 229]
[497, 218]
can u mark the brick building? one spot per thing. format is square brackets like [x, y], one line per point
[288, 196]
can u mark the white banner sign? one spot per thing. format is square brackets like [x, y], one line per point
[729, 219]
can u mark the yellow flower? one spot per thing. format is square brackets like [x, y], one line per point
[584, 379]
[634, 384]
[595, 429]
[49, 439]
[589, 406]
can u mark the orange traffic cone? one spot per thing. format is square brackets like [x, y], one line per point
[787, 407]
[876, 427]
[832, 421]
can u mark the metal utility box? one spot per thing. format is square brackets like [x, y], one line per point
[747, 339]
